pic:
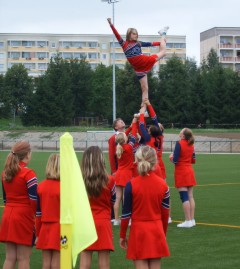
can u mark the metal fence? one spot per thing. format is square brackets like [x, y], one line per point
[208, 146]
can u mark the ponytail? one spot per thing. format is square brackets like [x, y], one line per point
[18, 152]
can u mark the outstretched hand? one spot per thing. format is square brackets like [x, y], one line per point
[109, 20]
[123, 243]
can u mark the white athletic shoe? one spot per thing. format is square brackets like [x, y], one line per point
[193, 222]
[116, 222]
[163, 31]
[169, 220]
[185, 224]
[137, 115]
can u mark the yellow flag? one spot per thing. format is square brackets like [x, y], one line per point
[77, 225]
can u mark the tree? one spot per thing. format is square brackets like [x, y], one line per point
[52, 104]
[17, 87]
[100, 101]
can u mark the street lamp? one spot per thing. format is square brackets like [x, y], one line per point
[113, 60]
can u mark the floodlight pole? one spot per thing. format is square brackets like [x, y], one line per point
[113, 60]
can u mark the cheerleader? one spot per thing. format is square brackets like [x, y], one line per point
[183, 157]
[101, 192]
[48, 214]
[20, 198]
[125, 155]
[142, 64]
[146, 202]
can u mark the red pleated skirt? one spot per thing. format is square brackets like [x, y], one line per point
[105, 236]
[18, 225]
[122, 177]
[49, 236]
[147, 240]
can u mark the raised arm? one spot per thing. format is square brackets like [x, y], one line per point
[150, 44]
[119, 38]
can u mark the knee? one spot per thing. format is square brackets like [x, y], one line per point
[184, 196]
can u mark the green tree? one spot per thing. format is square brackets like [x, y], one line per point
[100, 94]
[52, 104]
[17, 87]
[81, 86]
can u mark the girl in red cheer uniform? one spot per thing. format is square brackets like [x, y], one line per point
[48, 214]
[125, 169]
[183, 157]
[146, 202]
[20, 198]
[101, 192]
[142, 64]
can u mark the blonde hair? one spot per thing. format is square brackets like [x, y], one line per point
[146, 159]
[94, 171]
[120, 140]
[129, 31]
[18, 152]
[53, 167]
[188, 136]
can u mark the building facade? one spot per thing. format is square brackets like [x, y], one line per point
[34, 51]
[226, 41]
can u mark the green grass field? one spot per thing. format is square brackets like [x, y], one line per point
[212, 244]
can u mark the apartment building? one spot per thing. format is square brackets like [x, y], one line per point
[34, 51]
[226, 41]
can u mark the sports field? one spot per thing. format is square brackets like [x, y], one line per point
[213, 244]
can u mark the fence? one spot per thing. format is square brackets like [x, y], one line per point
[209, 146]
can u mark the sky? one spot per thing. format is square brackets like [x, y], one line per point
[187, 17]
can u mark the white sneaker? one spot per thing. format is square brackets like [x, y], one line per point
[116, 222]
[137, 115]
[193, 222]
[163, 31]
[185, 224]
[169, 220]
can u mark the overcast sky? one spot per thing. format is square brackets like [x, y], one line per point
[185, 17]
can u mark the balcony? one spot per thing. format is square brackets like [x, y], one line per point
[226, 46]
[227, 59]
[28, 58]
[237, 59]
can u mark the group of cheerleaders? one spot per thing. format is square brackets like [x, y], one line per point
[137, 180]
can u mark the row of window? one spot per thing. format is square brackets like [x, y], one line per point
[76, 44]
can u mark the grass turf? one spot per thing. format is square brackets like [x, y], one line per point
[213, 243]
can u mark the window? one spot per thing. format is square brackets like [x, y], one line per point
[1, 44]
[42, 66]
[169, 45]
[1, 67]
[79, 55]
[14, 55]
[42, 44]
[15, 43]
[116, 44]
[104, 46]
[42, 55]
[92, 55]
[53, 45]
[179, 45]
[93, 66]
[28, 43]
[67, 55]
[26, 55]
[104, 56]
[30, 65]
[1, 55]
[92, 44]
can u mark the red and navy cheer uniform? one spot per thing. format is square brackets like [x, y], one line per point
[112, 151]
[142, 64]
[101, 210]
[20, 199]
[48, 215]
[146, 202]
[149, 140]
[183, 158]
[125, 163]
